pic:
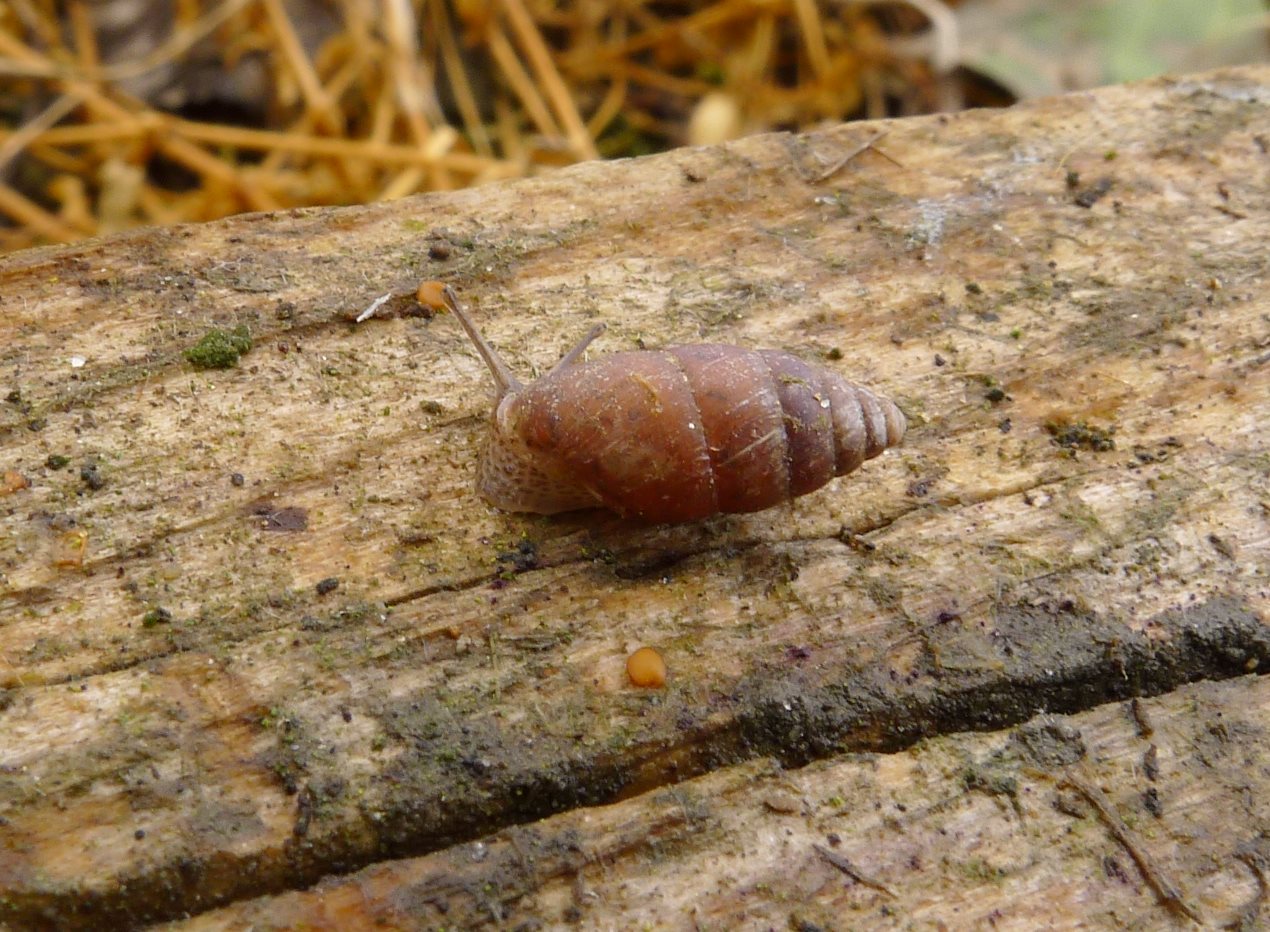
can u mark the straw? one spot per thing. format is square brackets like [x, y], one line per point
[419, 95]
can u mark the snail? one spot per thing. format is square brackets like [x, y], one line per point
[671, 435]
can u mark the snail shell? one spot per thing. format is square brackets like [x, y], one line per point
[672, 435]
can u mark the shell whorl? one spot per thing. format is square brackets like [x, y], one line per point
[680, 434]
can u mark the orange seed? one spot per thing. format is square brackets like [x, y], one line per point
[646, 669]
[431, 294]
[13, 481]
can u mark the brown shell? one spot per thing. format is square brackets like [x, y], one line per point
[681, 434]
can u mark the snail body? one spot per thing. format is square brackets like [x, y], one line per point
[673, 435]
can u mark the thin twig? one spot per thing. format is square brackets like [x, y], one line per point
[464, 96]
[81, 23]
[176, 45]
[535, 49]
[293, 52]
[852, 871]
[36, 217]
[808, 14]
[313, 145]
[1169, 893]
[1252, 910]
[37, 125]
[560, 78]
[178, 150]
[842, 162]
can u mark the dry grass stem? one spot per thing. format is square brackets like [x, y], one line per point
[378, 99]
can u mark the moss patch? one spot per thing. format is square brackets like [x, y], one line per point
[220, 349]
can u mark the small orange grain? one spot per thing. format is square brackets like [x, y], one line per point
[13, 481]
[646, 669]
[431, 294]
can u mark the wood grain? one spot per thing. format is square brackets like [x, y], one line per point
[1068, 299]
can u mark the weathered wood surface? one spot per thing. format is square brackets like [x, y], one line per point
[969, 831]
[467, 673]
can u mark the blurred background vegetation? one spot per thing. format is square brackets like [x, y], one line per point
[120, 113]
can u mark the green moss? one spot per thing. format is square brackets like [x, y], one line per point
[995, 784]
[156, 616]
[1081, 435]
[220, 349]
[979, 870]
[884, 592]
[1081, 514]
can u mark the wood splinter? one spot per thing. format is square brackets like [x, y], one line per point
[852, 871]
[1168, 891]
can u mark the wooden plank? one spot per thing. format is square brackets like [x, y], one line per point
[969, 831]
[467, 673]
